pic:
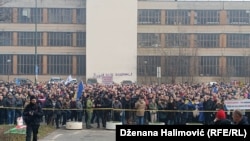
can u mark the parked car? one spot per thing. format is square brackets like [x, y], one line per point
[92, 81]
[126, 82]
[22, 81]
[55, 80]
[73, 81]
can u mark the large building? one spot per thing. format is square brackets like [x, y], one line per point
[189, 41]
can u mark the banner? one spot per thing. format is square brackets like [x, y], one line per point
[68, 80]
[238, 104]
[107, 80]
[17, 130]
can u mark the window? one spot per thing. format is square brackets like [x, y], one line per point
[81, 39]
[30, 15]
[59, 39]
[177, 66]
[81, 65]
[238, 17]
[177, 40]
[205, 17]
[149, 16]
[208, 40]
[29, 39]
[147, 65]
[5, 15]
[59, 64]
[6, 38]
[149, 40]
[238, 40]
[81, 16]
[60, 15]
[238, 66]
[26, 64]
[6, 67]
[177, 17]
[209, 66]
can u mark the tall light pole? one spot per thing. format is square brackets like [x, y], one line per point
[36, 67]
[8, 62]
[145, 70]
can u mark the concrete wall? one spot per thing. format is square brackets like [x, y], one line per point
[112, 39]
[46, 3]
[44, 50]
[44, 27]
[190, 51]
[197, 5]
[193, 29]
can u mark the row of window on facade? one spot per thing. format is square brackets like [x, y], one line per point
[201, 17]
[200, 40]
[145, 16]
[238, 66]
[56, 64]
[53, 39]
[54, 15]
[144, 39]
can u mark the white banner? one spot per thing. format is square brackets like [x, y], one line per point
[107, 80]
[237, 104]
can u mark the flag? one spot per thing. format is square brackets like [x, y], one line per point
[69, 78]
[79, 90]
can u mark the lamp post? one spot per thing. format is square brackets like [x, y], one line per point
[36, 67]
[145, 70]
[8, 62]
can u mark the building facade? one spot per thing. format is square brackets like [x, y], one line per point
[61, 38]
[194, 41]
[191, 41]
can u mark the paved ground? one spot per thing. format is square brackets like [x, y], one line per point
[80, 135]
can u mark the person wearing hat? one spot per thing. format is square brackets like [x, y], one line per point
[220, 118]
[32, 116]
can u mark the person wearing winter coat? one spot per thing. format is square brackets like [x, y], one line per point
[140, 107]
[32, 116]
[239, 118]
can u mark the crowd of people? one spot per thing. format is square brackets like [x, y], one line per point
[172, 104]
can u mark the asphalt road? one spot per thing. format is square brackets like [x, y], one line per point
[81, 135]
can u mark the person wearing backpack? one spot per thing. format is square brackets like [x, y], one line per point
[32, 116]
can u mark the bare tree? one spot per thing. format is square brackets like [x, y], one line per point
[5, 16]
[3, 2]
[4, 13]
[193, 63]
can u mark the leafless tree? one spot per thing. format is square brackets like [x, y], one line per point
[3, 14]
[3, 2]
[193, 63]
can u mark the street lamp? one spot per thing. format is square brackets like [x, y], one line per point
[36, 67]
[145, 70]
[8, 62]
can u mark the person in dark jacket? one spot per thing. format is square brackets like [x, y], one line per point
[239, 118]
[32, 116]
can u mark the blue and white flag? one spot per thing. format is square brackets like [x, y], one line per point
[68, 80]
[80, 90]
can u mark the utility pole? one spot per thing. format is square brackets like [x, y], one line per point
[36, 67]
